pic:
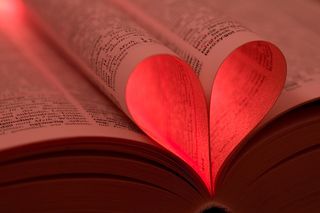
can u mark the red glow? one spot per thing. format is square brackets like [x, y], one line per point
[7, 6]
[11, 12]
[246, 86]
[166, 100]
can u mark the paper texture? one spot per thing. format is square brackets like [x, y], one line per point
[108, 42]
[296, 31]
[43, 97]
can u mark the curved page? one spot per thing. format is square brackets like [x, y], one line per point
[149, 83]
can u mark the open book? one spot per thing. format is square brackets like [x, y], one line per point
[158, 106]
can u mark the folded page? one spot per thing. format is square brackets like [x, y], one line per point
[241, 73]
[144, 78]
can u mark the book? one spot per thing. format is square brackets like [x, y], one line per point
[168, 106]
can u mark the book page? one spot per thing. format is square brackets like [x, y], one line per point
[241, 73]
[104, 39]
[155, 88]
[295, 29]
[42, 97]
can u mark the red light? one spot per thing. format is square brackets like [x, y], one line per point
[166, 100]
[245, 88]
[11, 12]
